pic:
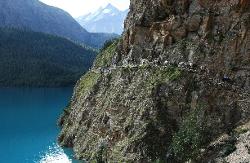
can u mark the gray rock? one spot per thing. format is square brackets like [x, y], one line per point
[150, 111]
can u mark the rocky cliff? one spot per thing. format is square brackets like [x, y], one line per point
[174, 88]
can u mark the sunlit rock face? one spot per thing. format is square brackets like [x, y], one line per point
[177, 80]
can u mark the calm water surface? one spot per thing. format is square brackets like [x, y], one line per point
[28, 127]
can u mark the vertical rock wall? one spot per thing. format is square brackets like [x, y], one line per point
[178, 78]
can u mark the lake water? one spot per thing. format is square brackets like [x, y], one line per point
[28, 129]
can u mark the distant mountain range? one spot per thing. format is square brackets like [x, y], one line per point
[108, 20]
[36, 59]
[37, 16]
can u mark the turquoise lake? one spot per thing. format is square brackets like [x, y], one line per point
[28, 129]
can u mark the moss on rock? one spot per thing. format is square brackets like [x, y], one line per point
[87, 82]
[104, 59]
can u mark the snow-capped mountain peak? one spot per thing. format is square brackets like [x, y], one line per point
[111, 7]
[107, 11]
[107, 19]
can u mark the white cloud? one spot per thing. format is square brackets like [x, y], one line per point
[80, 7]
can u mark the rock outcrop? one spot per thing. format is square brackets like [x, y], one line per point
[177, 80]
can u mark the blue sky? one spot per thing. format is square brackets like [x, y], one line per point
[81, 7]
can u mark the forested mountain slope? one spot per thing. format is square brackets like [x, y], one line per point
[37, 16]
[36, 59]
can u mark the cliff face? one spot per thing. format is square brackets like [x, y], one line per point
[178, 79]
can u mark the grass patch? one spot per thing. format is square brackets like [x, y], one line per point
[241, 130]
[104, 59]
[163, 74]
[87, 82]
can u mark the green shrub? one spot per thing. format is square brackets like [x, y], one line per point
[229, 148]
[101, 154]
[187, 142]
